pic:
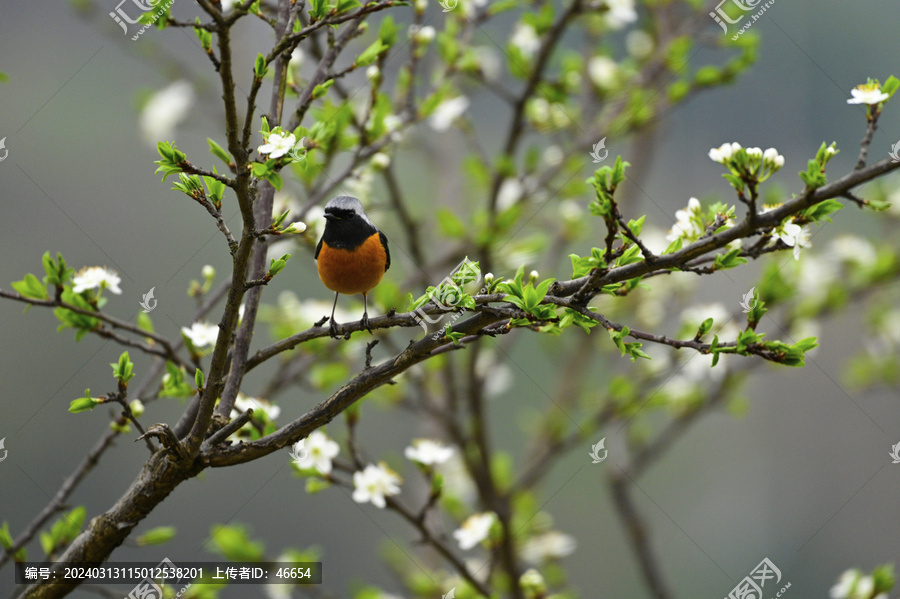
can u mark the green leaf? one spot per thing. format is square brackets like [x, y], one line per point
[387, 32]
[259, 67]
[345, 5]
[174, 384]
[83, 404]
[31, 287]
[172, 159]
[821, 210]
[368, 56]
[317, 9]
[157, 536]
[278, 265]
[219, 152]
[57, 272]
[233, 543]
[315, 484]
[890, 86]
[632, 254]
[450, 224]
[198, 378]
[123, 370]
[729, 260]
[6, 541]
[261, 169]
[322, 89]
[675, 246]
[204, 36]
[705, 326]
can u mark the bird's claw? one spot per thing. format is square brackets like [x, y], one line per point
[332, 329]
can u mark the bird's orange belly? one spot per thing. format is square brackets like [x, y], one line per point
[352, 271]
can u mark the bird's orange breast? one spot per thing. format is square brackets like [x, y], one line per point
[352, 271]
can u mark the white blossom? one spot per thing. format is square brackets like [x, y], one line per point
[548, 546]
[603, 71]
[793, 236]
[509, 194]
[474, 530]
[201, 334]
[297, 57]
[278, 144]
[428, 452]
[722, 154]
[422, 35]
[447, 112]
[639, 43]
[867, 94]
[295, 227]
[381, 160]
[621, 13]
[164, 111]
[773, 159]
[316, 451]
[242, 403]
[96, 277]
[374, 484]
[553, 155]
[526, 39]
[687, 222]
[854, 250]
[488, 61]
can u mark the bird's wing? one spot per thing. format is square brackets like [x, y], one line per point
[319, 248]
[384, 244]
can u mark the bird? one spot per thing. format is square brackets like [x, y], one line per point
[352, 255]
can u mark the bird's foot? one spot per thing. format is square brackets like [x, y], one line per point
[332, 329]
[365, 323]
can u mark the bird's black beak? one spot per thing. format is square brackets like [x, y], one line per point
[330, 216]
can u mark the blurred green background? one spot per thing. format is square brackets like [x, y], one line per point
[803, 478]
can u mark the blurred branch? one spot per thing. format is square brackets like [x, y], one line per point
[871, 127]
[167, 352]
[637, 532]
[58, 503]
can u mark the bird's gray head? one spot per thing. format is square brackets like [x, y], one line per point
[343, 205]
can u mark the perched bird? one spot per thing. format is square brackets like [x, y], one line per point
[352, 255]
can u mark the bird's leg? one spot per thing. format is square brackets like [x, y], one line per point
[332, 326]
[365, 318]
